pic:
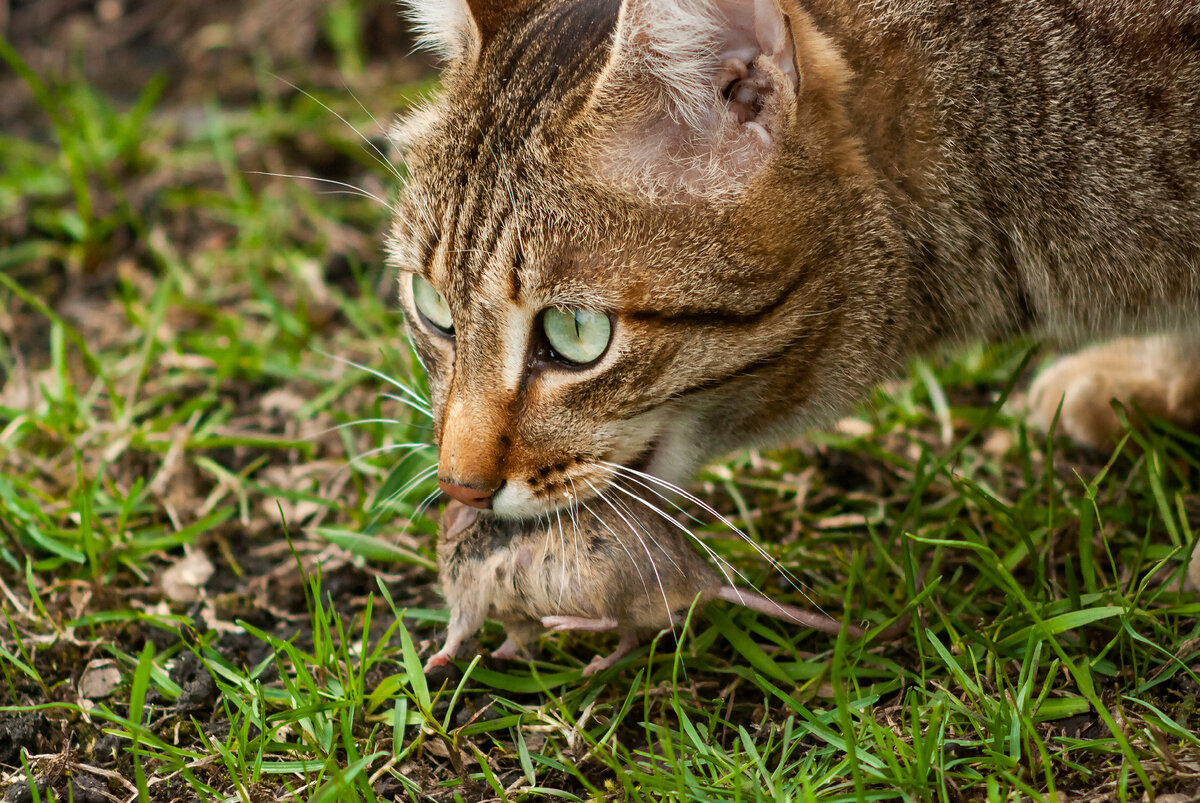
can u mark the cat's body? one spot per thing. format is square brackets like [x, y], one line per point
[774, 204]
[1043, 159]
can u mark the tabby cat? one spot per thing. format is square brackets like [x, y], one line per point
[641, 233]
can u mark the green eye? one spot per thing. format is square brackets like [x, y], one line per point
[431, 305]
[578, 336]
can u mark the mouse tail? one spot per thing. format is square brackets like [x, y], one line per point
[790, 613]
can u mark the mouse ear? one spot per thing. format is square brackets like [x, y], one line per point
[456, 518]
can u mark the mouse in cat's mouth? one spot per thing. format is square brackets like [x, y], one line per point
[598, 572]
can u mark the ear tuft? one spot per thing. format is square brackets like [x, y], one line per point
[443, 27]
[675, 41]
[456, 28]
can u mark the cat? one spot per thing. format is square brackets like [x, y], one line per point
[639, 234]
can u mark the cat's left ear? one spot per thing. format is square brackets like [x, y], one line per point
[697, 92]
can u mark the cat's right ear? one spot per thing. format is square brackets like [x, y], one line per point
[456, 29]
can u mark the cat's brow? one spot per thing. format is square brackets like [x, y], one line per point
[719, 316]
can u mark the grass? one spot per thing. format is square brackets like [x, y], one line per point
[176, 333]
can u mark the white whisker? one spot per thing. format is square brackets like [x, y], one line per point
[562, 550]
[413, 350]
[350, 188]
[721, 562]
[653, 564]
[634, 474]
[391, 447]
[621, 543]
[412, 395]
[378, 155]
[420, 477]
[420, 509]
[356, 423]
[649, 534]
[410, 403]
[369, 370]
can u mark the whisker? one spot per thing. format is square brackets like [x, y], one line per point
[378, 157]
[420, 477]
[414, 352]
[350, 188]
[620, 542]
[720, 561]
[410, 403]
[391, 447]
[634, 474]
[578, 559]
[653, 565]
[369, 370]
[562, 546]
[356, 423]
[650, 535]
[382, 506]
[353, 462]
[420, 509]
[411, 393]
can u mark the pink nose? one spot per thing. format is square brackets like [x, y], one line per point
[474, 497]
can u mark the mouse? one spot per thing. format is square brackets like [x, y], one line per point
[596, 572]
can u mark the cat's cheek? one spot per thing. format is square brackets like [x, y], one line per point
[679, 450]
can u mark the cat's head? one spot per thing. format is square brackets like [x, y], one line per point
[636, 234]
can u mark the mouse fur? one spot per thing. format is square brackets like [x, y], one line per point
[600, 573]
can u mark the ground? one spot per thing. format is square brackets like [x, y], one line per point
[216, 567]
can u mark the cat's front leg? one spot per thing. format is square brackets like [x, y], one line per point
[1159, 375]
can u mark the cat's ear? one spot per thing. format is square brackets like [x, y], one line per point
[456, 29]
[701, 89]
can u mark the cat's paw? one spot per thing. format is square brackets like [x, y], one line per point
[1158, 375]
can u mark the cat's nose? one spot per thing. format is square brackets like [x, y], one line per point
[468, 495]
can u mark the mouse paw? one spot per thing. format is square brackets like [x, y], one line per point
[600, 663]
[509, 651]
[438, 659]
